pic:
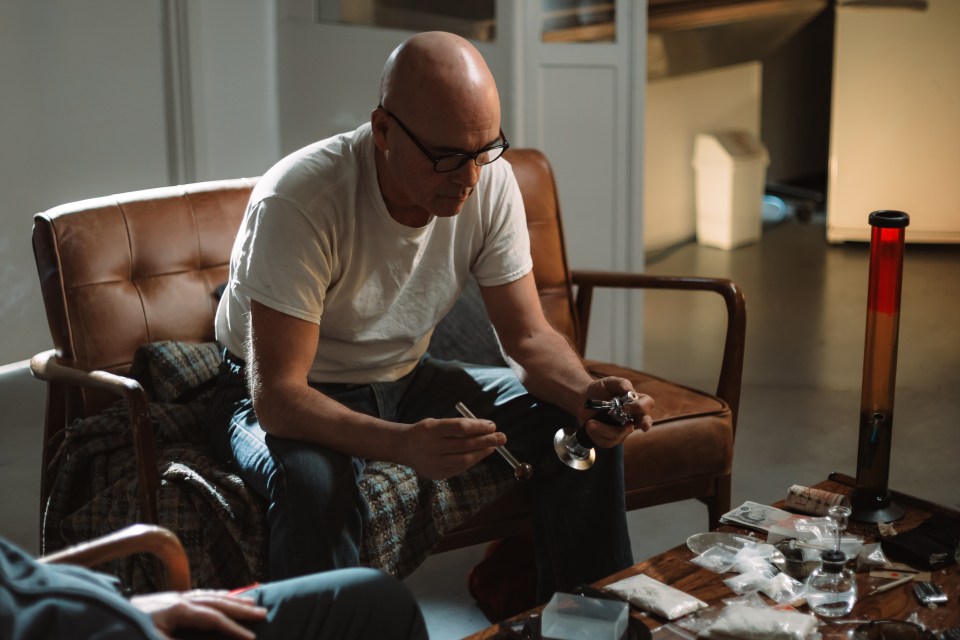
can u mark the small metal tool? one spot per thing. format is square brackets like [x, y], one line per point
[521, 470]
[574, 446]
[929, 594]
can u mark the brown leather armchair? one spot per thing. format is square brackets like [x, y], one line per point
[122, 271]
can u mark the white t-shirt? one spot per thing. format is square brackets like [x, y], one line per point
[317, 243]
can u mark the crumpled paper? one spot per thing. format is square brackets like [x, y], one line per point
[654, 596]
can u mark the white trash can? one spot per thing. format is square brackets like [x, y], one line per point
[731, 173]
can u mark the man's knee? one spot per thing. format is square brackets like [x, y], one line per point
[395, 610]
[309, 475]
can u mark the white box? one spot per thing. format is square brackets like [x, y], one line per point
[731, 173]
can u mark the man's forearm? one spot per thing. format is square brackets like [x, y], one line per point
[300, 412]
[551, 370]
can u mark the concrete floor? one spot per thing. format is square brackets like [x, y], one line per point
[806, 303]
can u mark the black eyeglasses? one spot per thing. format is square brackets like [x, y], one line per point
[452, 161]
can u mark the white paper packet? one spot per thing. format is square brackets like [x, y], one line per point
[654, 596]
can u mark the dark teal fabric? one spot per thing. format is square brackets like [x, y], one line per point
[63, 602]
[465, 333]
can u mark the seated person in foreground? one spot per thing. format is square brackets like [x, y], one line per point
[65, 602]
[351, 251]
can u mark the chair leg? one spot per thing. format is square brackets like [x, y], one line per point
[718, 503]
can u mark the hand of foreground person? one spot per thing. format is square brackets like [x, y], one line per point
[200, 610]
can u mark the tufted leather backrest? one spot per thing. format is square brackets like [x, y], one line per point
[125, 270]
[121, 271]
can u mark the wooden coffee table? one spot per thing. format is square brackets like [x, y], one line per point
[674, 567]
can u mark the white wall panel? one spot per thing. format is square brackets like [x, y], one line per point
[234, 87]
[580, 137]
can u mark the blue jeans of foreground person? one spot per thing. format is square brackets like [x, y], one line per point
[66, 602]
[316, 513]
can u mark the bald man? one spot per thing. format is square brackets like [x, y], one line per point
[351, 251]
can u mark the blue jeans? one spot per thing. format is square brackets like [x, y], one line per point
[315, 509]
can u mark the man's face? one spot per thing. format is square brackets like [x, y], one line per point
[412, 182]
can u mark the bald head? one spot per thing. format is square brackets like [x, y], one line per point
[436, 73]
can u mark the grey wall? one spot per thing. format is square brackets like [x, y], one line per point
[82, 114]
[328, 74]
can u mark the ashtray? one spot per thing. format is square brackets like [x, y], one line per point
[792, 561]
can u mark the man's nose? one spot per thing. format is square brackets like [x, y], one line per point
[468, 175]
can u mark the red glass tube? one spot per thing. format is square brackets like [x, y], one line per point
[871, 497]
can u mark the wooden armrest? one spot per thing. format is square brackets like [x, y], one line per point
[731, 369]
[138, 538]
[49, 367]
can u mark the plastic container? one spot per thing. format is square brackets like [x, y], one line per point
[731, 173]
[573, 617]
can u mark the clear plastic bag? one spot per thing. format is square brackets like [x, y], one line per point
[754, 557]
[751, 581]
[652, 595]
[761, 623]
[716, 559]
[817, 533]
[871, 556]
[783, 589]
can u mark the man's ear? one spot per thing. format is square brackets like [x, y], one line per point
[380, 126]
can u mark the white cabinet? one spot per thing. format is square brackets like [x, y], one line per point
[583, 104]
[895, 122]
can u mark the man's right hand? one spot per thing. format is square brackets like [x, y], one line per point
[438, 449]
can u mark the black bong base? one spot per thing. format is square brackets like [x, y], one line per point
[872, 508]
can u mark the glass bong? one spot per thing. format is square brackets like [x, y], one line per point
[832, 587]
[572, 444]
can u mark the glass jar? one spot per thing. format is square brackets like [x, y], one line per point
[832, 587]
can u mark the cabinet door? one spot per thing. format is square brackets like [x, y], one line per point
[584, 68]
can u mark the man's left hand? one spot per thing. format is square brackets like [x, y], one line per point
[606, 435]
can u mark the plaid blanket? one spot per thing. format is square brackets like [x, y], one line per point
[220, 521]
